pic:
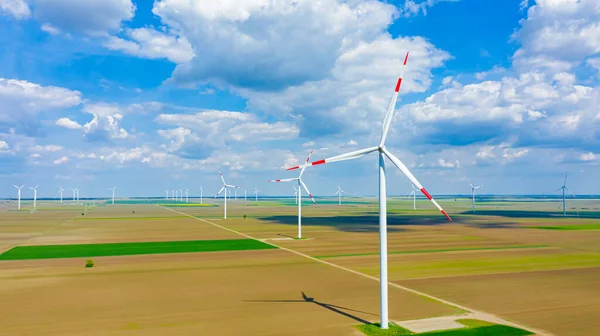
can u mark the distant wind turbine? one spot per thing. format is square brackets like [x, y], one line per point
[414, 195]
[473, 188]
[255, 193]
[60, 191]
[167, 194]
[113, 194]
[19, 196]
[73, 194]
[296, 194]
[201, 194]
[301, 184]
[245, 193]
[339, 194]
[181, 195]
[187, 191]
[224, 188]
[564, 201]
[34, 196]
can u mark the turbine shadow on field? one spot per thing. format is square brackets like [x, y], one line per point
[531, 214]
[336, 309]
[359, 222]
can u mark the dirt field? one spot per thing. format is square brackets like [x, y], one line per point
[542, 279]
[220, 293]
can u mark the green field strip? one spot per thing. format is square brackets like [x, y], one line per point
[472, 328]
[121, 249]
[576, 227]
[458, 249]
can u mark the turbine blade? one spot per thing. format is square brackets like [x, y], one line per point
[223, 187]
[411, 177]
[570, 191]
[222, 179]
[389, 115]
[308, 192]
[347, 156]
[285, 180]
[306, 163]
[565, 184]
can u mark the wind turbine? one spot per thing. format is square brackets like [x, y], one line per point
[187, 195]
[201, 194]
[34, 196]
[77, 193]
[414, 195]
[300, 183]
[473, 188]
[19, 195]
[181, 195]
[73, 194]
[382, 153]
[339, 193]
[225, 186]
[113, 194]
[245, 193]
[172, 194]
[564, 187]
[296, 194]
[255, 193]
[60, 191]
[167, 194]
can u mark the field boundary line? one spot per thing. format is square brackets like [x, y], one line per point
[480, 314]
[40, 234]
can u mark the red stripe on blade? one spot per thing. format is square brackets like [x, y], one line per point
[426, 194]
[318, 162]
[296, 167]
[445, 214]
[398, 84]
[405, 58]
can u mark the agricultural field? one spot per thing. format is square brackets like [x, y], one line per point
[164, 267]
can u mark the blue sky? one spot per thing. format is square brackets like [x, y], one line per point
[147, 96]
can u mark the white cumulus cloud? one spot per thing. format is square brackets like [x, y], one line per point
[15, 8]
[68, 123]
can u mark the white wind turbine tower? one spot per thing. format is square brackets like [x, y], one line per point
[181, 195]
[473, 188]
[255, 193]
[19, 196]
[73, 194]
[60, 191]
[300, 183]
[167, 194]
[34, 196]
[172, 194]
[414, 195]
[225, 186]
[245, 194]
[339, 194]
[187, 191]
[383, 153]
[201, 194]
[113, 194]
[564, 188]
[77, 194]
